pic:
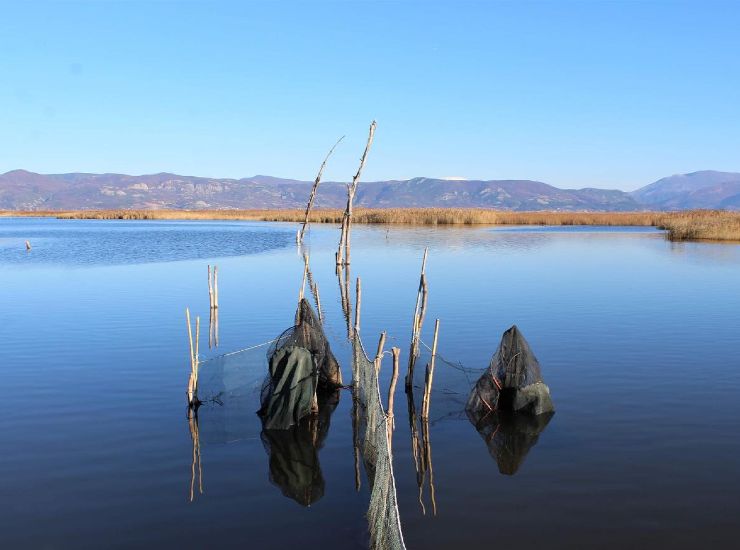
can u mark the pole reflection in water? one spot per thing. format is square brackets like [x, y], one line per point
[196, 463]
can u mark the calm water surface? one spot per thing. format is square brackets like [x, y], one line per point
[638, 340]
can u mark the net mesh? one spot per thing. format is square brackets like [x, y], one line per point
[309, 334]
[300, 362]
[384, 523]
[513, 381]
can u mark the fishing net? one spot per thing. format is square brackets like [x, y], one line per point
[309, 334]
[229, 388]
[512, 382]
[300, 361]
[384, 523]
[294, 453]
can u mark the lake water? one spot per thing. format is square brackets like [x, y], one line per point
[638, 339]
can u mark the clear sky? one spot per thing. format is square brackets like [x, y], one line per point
[576, 94]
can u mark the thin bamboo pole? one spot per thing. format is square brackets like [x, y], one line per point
[314, 189]
[430, 375]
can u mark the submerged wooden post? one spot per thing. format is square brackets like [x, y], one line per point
[314, 189]
[357, 305]
[430, 375]
[28, 246]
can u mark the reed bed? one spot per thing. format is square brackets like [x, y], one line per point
[716, 225]
[694, 225]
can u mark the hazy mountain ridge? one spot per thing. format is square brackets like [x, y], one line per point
[23, 190]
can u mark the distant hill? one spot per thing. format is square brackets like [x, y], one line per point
[705, 189]
[23, 190]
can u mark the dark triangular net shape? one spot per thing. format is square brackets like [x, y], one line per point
[309, 334]
[512, 381]
[300, 362]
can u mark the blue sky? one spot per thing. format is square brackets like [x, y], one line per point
[576, 94]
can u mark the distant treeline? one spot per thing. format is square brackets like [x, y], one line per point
[717, 225]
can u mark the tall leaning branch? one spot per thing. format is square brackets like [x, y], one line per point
[314, 189]
[343, 254]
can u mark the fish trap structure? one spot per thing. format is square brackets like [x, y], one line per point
[300, 362]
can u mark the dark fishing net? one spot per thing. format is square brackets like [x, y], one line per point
[309, 334]
[384, 524]
[300, 361]
[512, 382]
[294, 453]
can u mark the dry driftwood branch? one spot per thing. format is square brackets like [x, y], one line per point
[314, 189]
[343, 256]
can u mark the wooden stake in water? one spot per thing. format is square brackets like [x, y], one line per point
[417, 322]
[28, 246]
[379, 355]
[344, 241]
[392, 392]
[215, 286]
[357, 305]
[210, 288]
[430, 375]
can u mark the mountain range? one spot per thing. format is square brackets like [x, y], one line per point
[23, 190]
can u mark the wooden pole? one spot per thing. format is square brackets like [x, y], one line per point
[351, 190]
[392, 389]
[215, 286]
[210, 288]
[191, 381]
[305, 275]
[318, 301]
[417, 322]
[197, 347]
[314, 189]
[28, 246]
[357, 306]
[379, 355]
[430, 375]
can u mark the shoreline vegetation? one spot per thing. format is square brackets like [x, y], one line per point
[713, 225]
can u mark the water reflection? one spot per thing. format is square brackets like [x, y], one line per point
[421, 448]
[195, 463]
[294, 453]
[510, 436]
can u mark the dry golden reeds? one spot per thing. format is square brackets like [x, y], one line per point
[684, 225]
